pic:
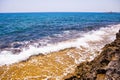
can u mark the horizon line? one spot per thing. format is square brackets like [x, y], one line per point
[65, 12]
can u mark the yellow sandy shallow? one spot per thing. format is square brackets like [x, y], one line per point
[53, 66]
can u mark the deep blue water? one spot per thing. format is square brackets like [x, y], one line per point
[19, 27]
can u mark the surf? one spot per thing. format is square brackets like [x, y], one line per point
[90, 41]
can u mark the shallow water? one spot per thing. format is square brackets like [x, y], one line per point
[60, 62]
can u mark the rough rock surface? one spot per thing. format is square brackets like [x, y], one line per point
[106, 66]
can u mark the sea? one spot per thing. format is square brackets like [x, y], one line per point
[25, 34]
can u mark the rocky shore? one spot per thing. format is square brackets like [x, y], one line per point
[106, 66]
[84, 63]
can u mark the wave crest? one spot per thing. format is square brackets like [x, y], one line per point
[91, 41]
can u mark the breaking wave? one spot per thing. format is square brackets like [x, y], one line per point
[94, 39]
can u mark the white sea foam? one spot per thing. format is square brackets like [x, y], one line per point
[102, 36]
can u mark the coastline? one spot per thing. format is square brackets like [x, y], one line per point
[56, 65]
[92, 40]
[105, 66]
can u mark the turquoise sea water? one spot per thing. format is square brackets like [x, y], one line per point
[21, 29]
[23, 35]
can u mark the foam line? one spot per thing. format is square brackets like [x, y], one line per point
[102, 36]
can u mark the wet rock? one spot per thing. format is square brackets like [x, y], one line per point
[114, 65]
[106, 66]
[104, 61]
[118, 35]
